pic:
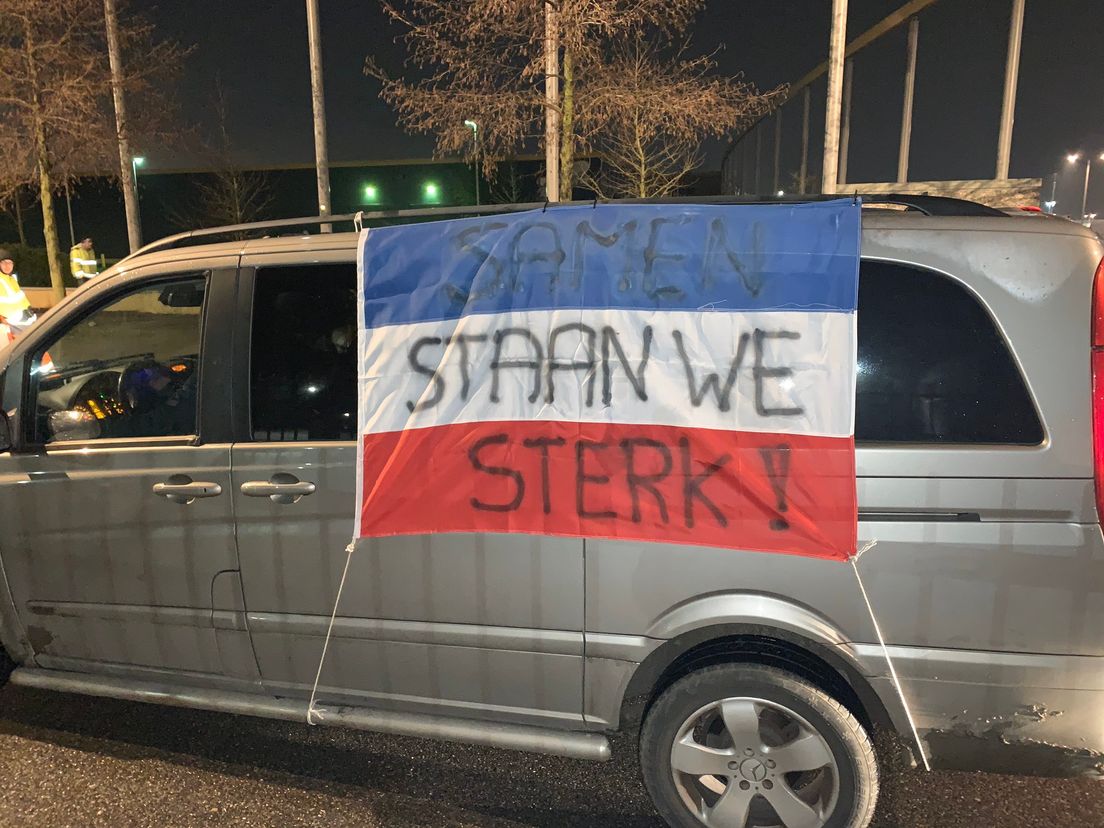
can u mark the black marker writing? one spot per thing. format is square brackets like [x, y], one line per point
[500, 471]
[722, 393]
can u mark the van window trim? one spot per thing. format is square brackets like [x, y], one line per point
[1045, 440]
[81, 311]
[243, 351]
[170, 441]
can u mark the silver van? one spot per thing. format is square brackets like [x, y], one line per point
[177, 491]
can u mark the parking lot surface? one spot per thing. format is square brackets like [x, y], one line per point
[71, 762]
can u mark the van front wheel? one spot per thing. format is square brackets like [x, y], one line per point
[749, 746]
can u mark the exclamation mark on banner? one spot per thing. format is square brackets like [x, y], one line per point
[777, 461]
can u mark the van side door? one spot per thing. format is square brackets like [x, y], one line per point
[115, 514]
[483, 626]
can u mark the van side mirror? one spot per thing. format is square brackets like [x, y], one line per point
[5, 432]
[183, 295]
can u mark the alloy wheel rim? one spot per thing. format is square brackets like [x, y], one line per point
[743, 762]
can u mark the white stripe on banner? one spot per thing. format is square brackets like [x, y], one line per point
[785, 372]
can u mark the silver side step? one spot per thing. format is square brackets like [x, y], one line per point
[592, 746]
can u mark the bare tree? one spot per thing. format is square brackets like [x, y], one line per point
[483, 60]
[55, 98]
[508, 184]
[231, 195]
[51, 99]
[588, 30]
[13, 207]
[650, 109]
[227, 193]
[12, 197]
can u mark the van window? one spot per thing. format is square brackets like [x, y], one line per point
[303, 354]
[932, 365]
[129, 369]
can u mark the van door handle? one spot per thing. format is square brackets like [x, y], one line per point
[280, 488]
[180, 488]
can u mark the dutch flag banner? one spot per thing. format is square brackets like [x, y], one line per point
[680, 373]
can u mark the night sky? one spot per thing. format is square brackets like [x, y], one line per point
[258, 47]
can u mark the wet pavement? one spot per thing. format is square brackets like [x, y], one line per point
[76, 762]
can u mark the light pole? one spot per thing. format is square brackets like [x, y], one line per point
[1011, 78]
[837, 46]
[1049, 205]
[122, 126]
[474, 127]
[552, 121]
[137, 161]
[318, 105]
[1073, 158]
[69, 212]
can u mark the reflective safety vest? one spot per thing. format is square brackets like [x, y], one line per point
[12, 298]
[8, 335]
[82, 263]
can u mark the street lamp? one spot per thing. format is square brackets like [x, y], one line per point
[474, 127]
[1073, 158]
[137, 161]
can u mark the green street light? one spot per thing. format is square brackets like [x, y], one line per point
[371, 194]
[431, 192]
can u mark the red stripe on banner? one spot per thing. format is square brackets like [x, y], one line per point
[736, 489]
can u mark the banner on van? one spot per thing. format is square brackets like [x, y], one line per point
[655, 372]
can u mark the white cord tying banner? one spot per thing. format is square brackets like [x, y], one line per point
[866, 548]
[315, 715]
[885, 652]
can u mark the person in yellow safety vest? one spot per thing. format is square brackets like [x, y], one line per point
[82, 261]
[15, 310]
[15, 307]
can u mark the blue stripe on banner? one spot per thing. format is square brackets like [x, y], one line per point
[631, 256]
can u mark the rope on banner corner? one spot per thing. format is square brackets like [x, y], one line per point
[315, 715]
[885, 652]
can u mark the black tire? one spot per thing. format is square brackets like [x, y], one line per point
[848, 741]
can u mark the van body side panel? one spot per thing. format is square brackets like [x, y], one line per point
[483, 626]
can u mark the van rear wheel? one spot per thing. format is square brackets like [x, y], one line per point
[750, 746]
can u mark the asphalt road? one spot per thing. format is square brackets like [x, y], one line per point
[77, 762]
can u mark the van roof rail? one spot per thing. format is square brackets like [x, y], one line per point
[929, 205]
[264, 228]
[933, 205]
